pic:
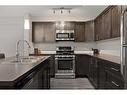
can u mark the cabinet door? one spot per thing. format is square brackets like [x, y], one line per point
[49, 32]
[93, 76]
[43, 32]
[52, 66]
[91, 68]
[107, 25]
[82, 65]
[95, 73]
[113, 81]
[102, 74]
[99, 28]
[37, 32]
[113, 76]
[79, 32]
[96, 30]
[89, 31]
[115, 22]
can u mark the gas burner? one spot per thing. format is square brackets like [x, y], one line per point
[65, 50]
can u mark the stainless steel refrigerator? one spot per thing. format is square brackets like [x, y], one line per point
[124, 44]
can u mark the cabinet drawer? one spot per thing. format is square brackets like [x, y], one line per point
[114, 81]
[113, 67]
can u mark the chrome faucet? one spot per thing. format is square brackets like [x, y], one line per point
[17, 48]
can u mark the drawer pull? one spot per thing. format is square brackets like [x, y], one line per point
[115, 69]
[115, 84]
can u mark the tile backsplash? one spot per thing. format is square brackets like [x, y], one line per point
[78, 46]
[110, 46]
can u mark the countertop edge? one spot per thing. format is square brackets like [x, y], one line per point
[13, 82]
[100, 56]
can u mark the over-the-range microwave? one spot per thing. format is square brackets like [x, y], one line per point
[64, 35]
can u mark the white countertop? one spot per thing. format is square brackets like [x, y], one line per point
[83, 52]
[102, 55]
[48, 52]
[76, 52]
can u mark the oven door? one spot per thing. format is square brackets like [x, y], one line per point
[64, 65]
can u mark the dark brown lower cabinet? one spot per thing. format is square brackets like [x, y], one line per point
[113, 76]
[46, 79]
[52, 62]
[52, 65]
[113, 81]
[93, 72]
[38, 79]
[101, 74]
[104, 74]
[82, 65]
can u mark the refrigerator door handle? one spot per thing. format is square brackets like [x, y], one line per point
[122, 41]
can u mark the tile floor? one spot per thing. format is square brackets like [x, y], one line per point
[78, 83]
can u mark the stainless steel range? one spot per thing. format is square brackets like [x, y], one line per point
[65, 62]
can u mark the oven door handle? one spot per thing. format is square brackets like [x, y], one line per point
[65, 59]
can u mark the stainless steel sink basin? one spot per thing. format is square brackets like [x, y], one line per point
[24, 60]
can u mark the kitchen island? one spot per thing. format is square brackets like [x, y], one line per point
[30, 73]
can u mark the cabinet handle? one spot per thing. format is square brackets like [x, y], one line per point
[115, 69]
[115, 84]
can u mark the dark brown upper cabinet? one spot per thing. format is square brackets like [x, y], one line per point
[96, 32]
[89, 31]
[98, 28]
[43, 32]
[115, 21]
[66, 25]
[50, 32]
[79, 31]
[107, 24]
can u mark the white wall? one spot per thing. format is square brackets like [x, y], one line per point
[110, 46]
[11, 30]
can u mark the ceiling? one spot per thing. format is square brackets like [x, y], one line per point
[46, 12]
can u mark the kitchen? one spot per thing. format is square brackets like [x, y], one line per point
[63, 47]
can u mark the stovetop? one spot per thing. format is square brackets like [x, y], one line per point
[64, 53]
